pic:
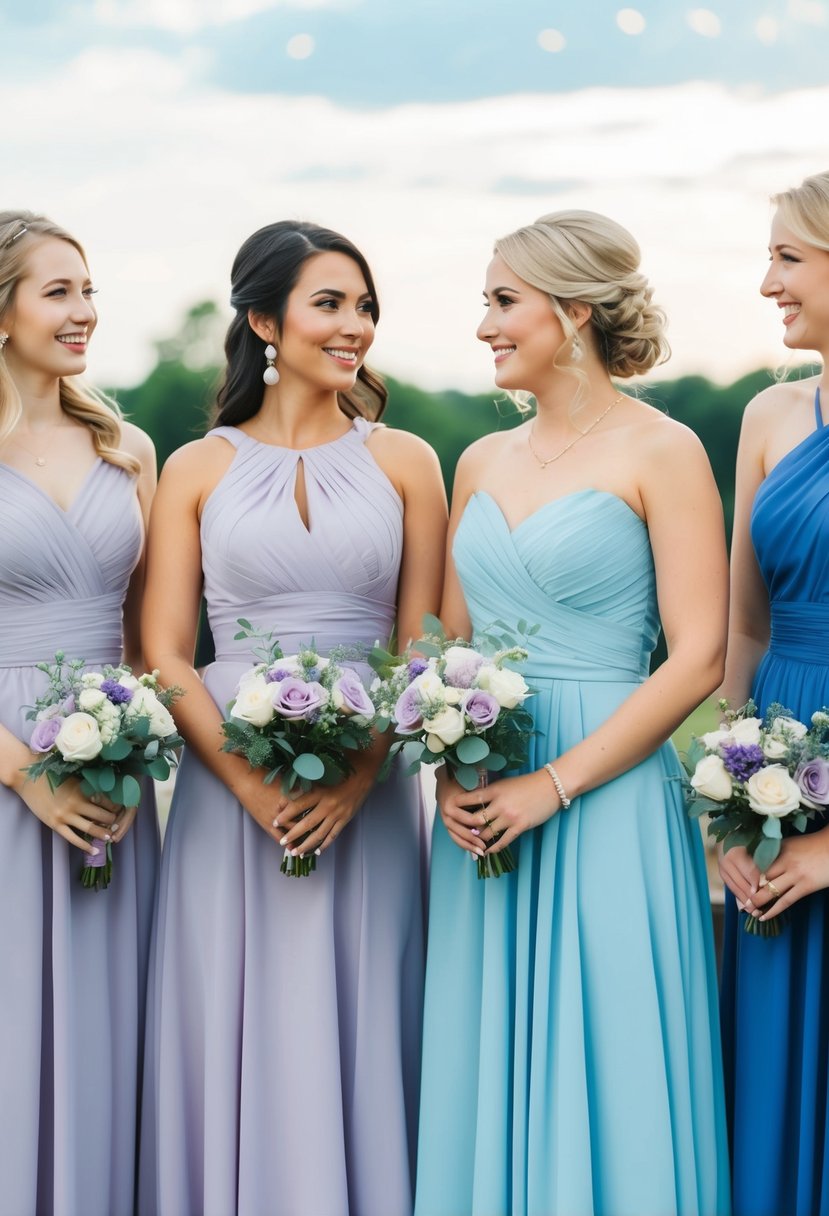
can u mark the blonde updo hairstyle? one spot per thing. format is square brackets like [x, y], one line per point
[805, 210]
[586, 257]
[77, 400]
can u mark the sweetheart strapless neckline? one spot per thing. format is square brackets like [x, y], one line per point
[554, 502]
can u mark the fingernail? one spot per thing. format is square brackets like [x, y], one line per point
[276, 822]
[474, 831]
[284, 838]
[295, 853]
[107, 836]
[317, 852]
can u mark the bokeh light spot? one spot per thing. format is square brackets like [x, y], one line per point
[703, 22]
[300, 46]
[552, 40]
[630, 21]
[767, 30]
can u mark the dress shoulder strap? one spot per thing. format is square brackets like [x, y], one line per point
[364, 427]
[818, 411]
[231, 433]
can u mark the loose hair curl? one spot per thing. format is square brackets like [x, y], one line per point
[586, 257]
[77, 400]
[264, 274]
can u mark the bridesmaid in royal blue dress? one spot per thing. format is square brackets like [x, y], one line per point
[75, 485]
[571, 1046]
[285, 1015]
[776, 990]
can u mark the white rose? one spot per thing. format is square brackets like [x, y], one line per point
[453, 696]
[254, 702]
[714, 739]
[145, 704]
[507, 687]
[429, 686]
[790, 727]
[774, 749]
[771, 791]
[448, 725]
[91, 698]
[745, 730]
[130, 682]
[820, 719]
[253, 673]
[91, 679]
[435, 744]
[79, 738]
[711, 779]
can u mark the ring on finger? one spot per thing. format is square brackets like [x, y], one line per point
[774, 890]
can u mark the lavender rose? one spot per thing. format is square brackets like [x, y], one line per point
[407, 715]
[813, 779]
[416, 667]
[481, 708]
[44, 734]
[462, 666]
[293, 698]
[349, 695]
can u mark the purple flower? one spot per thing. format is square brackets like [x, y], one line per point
[68, 706]
[407, 713]
[416, 667]
[293, 698]
[116, 692]
[481, 708]
[743, 760]
[44, 734]
[349, 694]
[462, 666]
[276, 674]
[813, 779]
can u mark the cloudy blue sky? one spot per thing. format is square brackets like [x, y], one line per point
[164, 131]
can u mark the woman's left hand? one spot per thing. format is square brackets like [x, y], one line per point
[329, 809]
[801, 868]
[503, 810]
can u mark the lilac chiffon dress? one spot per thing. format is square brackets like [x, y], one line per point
[73, 962]
[285, 1014]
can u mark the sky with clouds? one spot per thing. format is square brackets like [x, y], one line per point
[163, 132]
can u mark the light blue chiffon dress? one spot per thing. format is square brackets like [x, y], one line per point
[73, 962]
[571, 1049]
[284, 1022]
[775, 991]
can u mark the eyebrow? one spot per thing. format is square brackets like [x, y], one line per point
[338, 295]
[61, 283]
[497, 291]
[784, 245]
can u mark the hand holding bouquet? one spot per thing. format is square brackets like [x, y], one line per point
[450, 702]
[756, 778]
[298, 716]
[109, 728]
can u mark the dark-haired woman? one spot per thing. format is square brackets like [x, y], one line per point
[75, 489]
[285, 1016]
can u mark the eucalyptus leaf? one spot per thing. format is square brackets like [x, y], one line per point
[413, 751]
[245, 624]
[131, 795]
[92, 777]
[766, 853]
[118, 749]
[106, 779]
[159, 768]
[151, 750]
[466, 776]
[309, 766]
[431, 624]
[771, 828]
[494, 762]
[472, 750]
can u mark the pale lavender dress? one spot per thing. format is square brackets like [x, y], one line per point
[73, 962]
[284, 1020]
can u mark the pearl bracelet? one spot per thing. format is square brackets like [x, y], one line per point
[565, 801]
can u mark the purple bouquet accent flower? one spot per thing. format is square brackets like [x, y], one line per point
[416, 667]
[407, 715]
[462, 666]
[355, 699]
[293, 698]
[481, 709]
[813, 779]
[116, 693]
[44, 734]
[277, 674]
[743, 760]
[69, 706]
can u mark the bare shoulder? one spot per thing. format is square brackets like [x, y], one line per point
[773, 406]
[657, 438]
[137, 443]
[400, 445]
[489, 449]
[201, 462]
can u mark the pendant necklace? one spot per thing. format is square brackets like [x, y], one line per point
[551, 459]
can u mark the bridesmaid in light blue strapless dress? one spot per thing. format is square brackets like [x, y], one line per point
[571, 1057]
[775, 1048]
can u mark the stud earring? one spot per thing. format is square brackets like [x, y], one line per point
[576, 350]
[270, 374]
[3, 340]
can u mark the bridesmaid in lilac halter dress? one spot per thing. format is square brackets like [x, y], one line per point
[285, 1015]
[73, 962]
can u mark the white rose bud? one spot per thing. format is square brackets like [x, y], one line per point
[91, 679]
[509, 688]
[130, 682]
[254, 702]
[788, 726]
[453, 696]
[91, 699]
[714, 739]
[435, 744]
[774, 749]
[771, 791]
[79, 738]
[712, 779]
[448, 725]
[745, 730]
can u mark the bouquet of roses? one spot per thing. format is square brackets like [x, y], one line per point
[756, 777]
[450, 702]
[107, 727]
[298, 716]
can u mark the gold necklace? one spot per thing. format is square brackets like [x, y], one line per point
[572, 442]
[40, 461]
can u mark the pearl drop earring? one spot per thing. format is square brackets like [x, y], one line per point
[270, 374]
[3, 340]
[576, 350]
